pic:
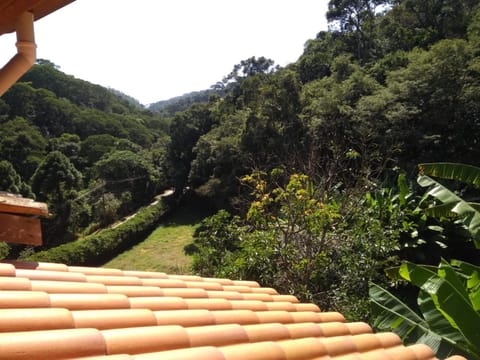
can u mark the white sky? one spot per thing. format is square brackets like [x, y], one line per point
[153, 50]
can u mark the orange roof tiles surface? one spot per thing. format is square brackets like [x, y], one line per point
[54, 311]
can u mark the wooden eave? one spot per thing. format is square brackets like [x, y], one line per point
[17, 205]
[10, 10]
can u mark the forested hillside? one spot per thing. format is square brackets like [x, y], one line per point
[312, 165]
[92, 154]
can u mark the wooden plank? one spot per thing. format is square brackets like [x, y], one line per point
[18, 205]
[10, 10]
[20, 229]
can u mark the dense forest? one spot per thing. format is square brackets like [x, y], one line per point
[312, 167]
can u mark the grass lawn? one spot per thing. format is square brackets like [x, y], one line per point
[163, 249]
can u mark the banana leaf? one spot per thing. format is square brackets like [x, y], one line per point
[454, 171]
[472, 275]
[391, 314]
[451, 341]
[469, 215]
[450, 298]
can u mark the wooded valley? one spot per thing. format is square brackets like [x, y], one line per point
[318, 173]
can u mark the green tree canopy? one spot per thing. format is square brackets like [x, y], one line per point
[11, 182]
[54, 176]
[22, 145]
[124, 170]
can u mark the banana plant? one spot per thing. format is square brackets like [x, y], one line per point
[451, 203]
[449, 296]
[449, 302]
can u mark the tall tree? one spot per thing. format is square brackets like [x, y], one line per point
[126, 171]
[22, 145]
[356, 17]
[54, 176]
[185, 130]
[57, 182]
[11, 182]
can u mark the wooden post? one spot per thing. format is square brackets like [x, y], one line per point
[19, 219]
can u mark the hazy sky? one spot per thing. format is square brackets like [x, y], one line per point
[156, 49]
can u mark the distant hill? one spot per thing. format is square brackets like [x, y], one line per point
[46, 75]
[180, 103]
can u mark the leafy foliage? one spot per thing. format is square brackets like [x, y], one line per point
[11, 182]
[448, 298]
[98, 248]
[299, 241]
[54, 129]
[450, 316]
[468, 212]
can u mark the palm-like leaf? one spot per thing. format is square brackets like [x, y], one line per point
[394, 315]
[451, 299]
[472, 274]
[469, 215]
[447, 342]
[465, 173]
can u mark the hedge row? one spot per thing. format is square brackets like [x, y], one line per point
[98, 248]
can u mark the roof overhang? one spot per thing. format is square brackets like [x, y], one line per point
[19, 221]
[10, 10]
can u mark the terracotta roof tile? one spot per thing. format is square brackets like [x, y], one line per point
[17, 264]
[112, 319]
[204, 285]
[53, 311]
[7, 269]
[208, 304]
[134, 290]
[13, 283]
[242, 317]
[146, 274]
[52, 344]
[303, 330]
[95, 271]
[108, 357]
[199, 353]
[65, 287]
[256, 351]
[89, 301]
[145, 339]
[35, 319]
[158, 303]
[267, 332]
[163, 283]
[217, 335]
[114, 280]
[186, 318]
[220, 281]
[34, 274]
[185, 293]
[255, 305]
[305, 307]
[283, 317]
[305, 348]
[23, 299]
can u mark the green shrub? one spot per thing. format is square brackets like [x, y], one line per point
[96, 249]
[303, 243]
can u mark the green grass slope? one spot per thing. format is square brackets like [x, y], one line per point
[163, 249]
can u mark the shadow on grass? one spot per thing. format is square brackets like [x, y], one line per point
[189, 213]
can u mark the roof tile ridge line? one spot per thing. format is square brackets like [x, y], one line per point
[191, 278]
[40, 274]
[36, 265]
[363, 342]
